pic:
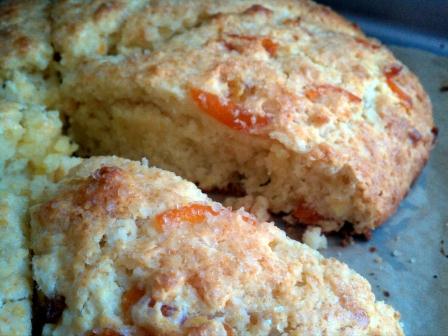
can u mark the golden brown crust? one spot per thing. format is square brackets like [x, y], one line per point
[138, 249]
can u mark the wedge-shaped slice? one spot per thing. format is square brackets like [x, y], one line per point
[124, 249]
[287, 99]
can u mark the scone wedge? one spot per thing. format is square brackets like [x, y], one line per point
[286, 100]
[130, 250]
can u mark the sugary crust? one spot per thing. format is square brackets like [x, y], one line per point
[99, 238]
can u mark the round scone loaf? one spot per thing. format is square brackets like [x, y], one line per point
[284, 101]
[123, 249]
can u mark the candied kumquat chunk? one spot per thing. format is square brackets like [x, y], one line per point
[250, 219]
[270, 46]
[391, 73]
[228, 113]
[316, 92]
[191, 214]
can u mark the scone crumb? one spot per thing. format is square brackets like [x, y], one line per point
[313, 237]
[396, 253]
[378, 260]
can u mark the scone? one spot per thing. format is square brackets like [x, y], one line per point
[284, 99]
[129, 250]
[33, 155]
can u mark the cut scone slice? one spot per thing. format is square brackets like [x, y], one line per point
[132, 250]
[287, 100]
[33, 155]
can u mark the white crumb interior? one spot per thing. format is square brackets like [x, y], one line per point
[202, 150]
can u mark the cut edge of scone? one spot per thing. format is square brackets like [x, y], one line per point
[131, 249]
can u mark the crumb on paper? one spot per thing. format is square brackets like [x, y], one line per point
[378, 260]
[396, 253]
[386, 293]
[372, 249]
[412, 260]
[314, 238]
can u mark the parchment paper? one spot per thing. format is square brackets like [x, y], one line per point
[409, 268]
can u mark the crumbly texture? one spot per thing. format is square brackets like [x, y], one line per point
[136, 251]
[30, 162]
